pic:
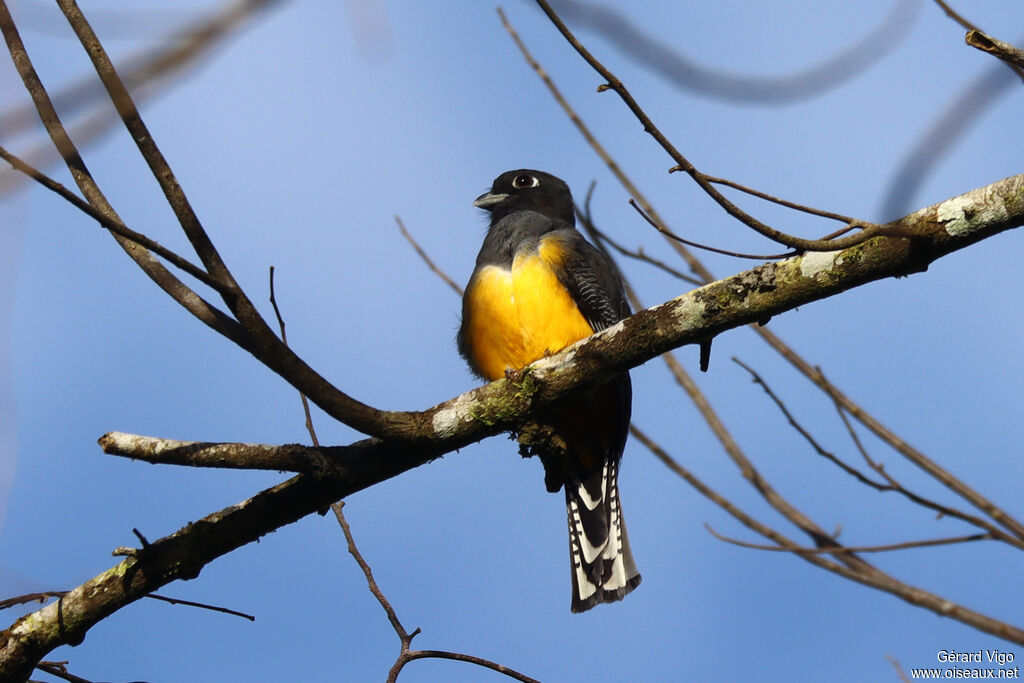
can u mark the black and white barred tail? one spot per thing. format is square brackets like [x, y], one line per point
[602, 563]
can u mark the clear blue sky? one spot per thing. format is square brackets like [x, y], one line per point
[298, 144]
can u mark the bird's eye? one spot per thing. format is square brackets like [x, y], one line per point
[521, 182]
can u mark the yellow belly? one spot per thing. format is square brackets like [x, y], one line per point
[520, 315]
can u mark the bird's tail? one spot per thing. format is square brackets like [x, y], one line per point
[602, 563]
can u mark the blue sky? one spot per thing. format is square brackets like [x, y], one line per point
[299, 142]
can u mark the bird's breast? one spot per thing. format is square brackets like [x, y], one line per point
[520, 314]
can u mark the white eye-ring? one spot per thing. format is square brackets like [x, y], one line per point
[524, 181]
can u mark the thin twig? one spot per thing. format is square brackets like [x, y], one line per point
[851, 222]
[899, 670]
[405, 655]
[891, 484]
[479, 661]
[873, 577]
[30, 597]
[284, 340]
[426, 259]
[258, 338]
[682, 164]
[601, 237]
[854, 549]
[59, 669]
[150, 152]
[954, 15]
[111, 223]
[940, 474]
[201, 605]
[941, 509]
[145, 73]
[704, 275]
[404, 636]
[372, 582]
[831, 457]
[182, 294]
[46, 595]
[725, 252]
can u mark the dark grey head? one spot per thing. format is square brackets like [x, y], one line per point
[528, 190]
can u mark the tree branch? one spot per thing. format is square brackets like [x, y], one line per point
[690, 318]
[702, 180]
[862, 572]
[1012, 55]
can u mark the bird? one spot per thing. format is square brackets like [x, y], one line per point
[539, 286]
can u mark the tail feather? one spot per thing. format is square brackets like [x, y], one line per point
[602, 562]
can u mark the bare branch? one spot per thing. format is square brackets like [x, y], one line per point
[459, 657]
[284, 340]
[899, 670]
[603, 238]
[111, 223]
[60, 670]
[854, 549]
[407, 655]
[192, 302]
[251, 332]
[44, 596]
[979, 39]
[696, 245]
[864, 574]
[831, 457]
[1010, 54]
[426, 259]
[122, 101]
[750, 296]
[372, 582]
[179, 556]
[996, 513]
[30, 597]
[851, 222]
[942, 510]
[954, 15]
[704, 275]
[146, 74]
[890, 483]
[314, 460]
[201, 605]
[682, 164]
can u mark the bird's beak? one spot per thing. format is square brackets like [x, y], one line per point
[489, 199]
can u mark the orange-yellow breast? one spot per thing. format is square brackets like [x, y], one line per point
[517, 316]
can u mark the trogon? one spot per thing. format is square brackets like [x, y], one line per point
[539, 286]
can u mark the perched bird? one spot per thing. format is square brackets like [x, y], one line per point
[539, 286]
